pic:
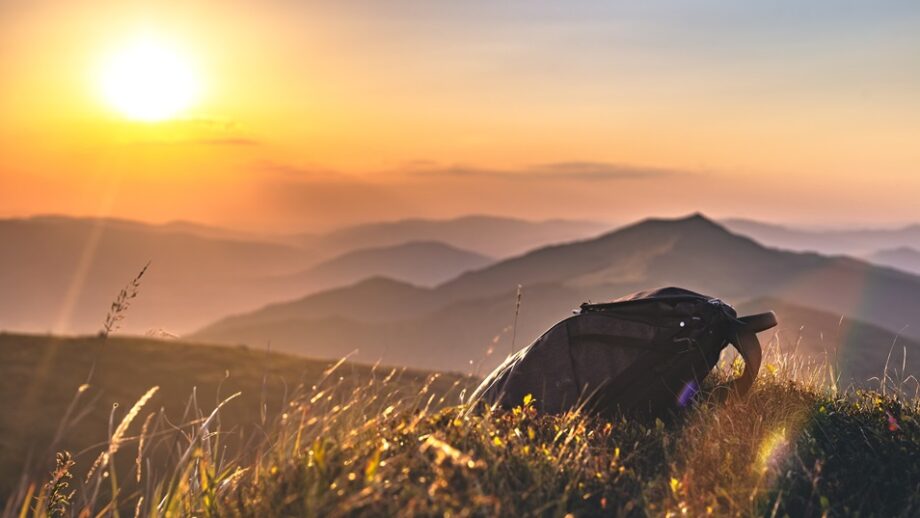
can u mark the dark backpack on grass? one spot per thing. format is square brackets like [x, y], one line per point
[645, 353]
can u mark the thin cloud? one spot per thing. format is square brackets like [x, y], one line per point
[574, 170]
[601, 171]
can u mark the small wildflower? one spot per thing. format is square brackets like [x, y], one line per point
[675, 485]
[893, 425]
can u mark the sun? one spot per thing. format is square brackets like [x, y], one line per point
[149, 80]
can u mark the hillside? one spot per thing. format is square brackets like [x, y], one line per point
[453, 326]
[794, 446]
[693, 252]
[45, 374]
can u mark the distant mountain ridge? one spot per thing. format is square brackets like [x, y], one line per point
[60, 273]
[449, 326]
[857, 242]
[492, 236]
[173, 226]
[418, 262]
[903, 258]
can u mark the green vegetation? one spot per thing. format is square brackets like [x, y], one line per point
[381, 445]
[70, 394]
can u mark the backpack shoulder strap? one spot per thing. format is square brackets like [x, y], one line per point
[746, 342]
[759, 322]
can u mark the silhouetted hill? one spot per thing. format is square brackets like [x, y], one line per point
[456, 322]
[857, 242]
[398, 324]
[377, 298]
[701, 255]
[902, 258]
[487, 235]
[693, 251]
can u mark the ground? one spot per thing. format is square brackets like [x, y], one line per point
[383, 444]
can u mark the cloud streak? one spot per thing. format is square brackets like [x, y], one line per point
[583, 171]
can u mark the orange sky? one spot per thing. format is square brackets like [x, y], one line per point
[316, 114]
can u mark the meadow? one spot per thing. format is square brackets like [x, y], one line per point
[365, 441]
[345, 215]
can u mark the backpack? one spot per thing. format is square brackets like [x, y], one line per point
[646, 353]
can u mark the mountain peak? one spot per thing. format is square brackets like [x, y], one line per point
[696, 218]
[695, 224]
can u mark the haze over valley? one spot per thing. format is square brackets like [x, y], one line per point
[441, 294]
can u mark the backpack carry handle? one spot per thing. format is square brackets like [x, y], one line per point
[747, 344]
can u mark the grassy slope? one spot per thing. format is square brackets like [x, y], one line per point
[40, 375]
[793, 446]
[785, 450]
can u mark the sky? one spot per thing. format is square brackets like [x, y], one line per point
[314, 115]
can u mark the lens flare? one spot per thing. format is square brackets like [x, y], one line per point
[772, 449]
[686, 394]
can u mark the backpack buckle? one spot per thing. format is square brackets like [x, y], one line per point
[720, 303]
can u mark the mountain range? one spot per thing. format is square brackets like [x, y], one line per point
[442, 304]
[468, 323]
[491, 236]
[425, 263]
[61, 274]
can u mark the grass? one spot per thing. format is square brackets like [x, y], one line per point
[797, 445]
[60, 394]
[121, 304]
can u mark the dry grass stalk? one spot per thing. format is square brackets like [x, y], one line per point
[116, 440]
[121, 304]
